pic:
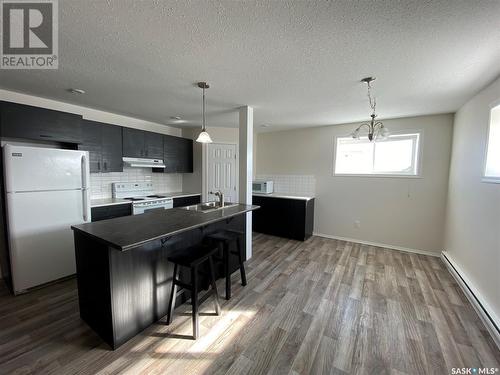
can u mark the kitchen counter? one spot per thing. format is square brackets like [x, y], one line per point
[123, 274]
[112, 201]
[285, 196]
[125, 233]
[284, 215]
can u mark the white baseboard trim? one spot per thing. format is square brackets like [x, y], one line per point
[483, 309]
[393, 247]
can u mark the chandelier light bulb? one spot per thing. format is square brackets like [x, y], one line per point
[355, 134]
[384, 133]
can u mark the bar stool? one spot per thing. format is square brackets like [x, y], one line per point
[224, 238]
[192, 258]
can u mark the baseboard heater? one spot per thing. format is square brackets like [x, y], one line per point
[489, 322]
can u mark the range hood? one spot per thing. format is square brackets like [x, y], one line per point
[143, 163]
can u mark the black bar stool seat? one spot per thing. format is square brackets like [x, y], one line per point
[226, 235]
[192, 258]
[224, 238]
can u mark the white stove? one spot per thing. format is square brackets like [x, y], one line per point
[141, 195]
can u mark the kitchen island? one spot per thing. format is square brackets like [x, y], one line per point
[124, 278]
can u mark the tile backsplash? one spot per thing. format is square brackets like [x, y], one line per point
[100, 183]
[291, 184]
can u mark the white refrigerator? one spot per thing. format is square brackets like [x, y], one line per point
[46, 192]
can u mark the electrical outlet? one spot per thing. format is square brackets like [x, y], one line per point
[357, 224]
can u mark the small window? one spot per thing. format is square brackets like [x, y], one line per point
[492, 169]
[397, 155]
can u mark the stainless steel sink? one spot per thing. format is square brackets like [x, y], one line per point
[208, 206]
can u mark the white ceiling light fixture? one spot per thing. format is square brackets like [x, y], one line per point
[204, 137]
[77, 91]
[175, 120]
[376, 129]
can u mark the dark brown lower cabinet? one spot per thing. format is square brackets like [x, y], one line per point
[111, 211]
[283, 217]
[186, 201]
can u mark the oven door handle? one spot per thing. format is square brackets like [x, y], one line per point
[139, 209]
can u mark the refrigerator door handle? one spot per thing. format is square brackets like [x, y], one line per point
[84, 188]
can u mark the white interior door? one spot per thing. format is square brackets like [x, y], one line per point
[221, 171]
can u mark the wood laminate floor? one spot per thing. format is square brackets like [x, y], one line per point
[316, 307]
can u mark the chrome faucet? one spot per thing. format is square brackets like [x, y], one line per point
[219, 194]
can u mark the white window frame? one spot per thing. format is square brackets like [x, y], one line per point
[384, 175]
[489, 179]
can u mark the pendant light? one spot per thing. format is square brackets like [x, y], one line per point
[376, 129]
[204, 137]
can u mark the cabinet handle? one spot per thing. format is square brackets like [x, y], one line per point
[98, 165]
[45, 136]
[105, 166]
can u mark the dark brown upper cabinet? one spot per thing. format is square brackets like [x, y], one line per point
[92, 142]
[133, 143]
[28, 122]
[142, 144]
[153, 145]
[104, 144]
[112, 148]
[178, 154]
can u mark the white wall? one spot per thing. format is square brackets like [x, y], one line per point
[473, 214]
[401, 212]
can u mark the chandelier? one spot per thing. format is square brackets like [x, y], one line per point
[376, 130]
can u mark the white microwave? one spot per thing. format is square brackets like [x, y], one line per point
[265, 187]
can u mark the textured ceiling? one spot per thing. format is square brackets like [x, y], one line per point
[297, 63]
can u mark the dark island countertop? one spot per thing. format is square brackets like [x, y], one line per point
[125, 233]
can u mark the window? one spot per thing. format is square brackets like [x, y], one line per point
[395, 156]
[492, 168]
